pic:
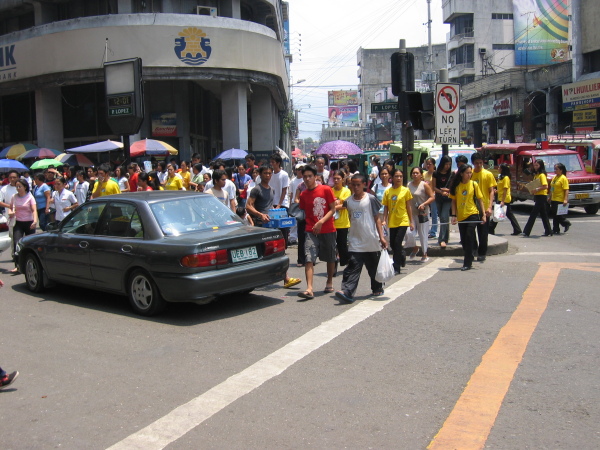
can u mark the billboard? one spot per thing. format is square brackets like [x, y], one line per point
[581, 95]
[541, 29]
[343, 106]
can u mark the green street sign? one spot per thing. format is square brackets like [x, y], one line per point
[122, 111]
[384, 107]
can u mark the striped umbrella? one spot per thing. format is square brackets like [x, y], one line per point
[12, 151]
[74, 159]
[151, 147]
[40, 153]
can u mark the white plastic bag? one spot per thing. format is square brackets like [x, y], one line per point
[385, 269]
[499, 213]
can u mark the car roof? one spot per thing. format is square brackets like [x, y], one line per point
[151, 196]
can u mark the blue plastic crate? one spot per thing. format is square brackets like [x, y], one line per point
[278, 213]
[280, 222]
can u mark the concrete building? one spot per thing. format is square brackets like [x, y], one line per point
[218, 73]
[374, 86]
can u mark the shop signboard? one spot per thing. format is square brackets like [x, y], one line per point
[581, 95]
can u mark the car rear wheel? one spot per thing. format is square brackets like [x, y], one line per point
[34, 274]
[591, 209]
[144, 297]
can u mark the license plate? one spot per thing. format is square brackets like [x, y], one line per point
[243, 254]
[580, 196]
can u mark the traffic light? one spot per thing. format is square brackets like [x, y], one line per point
[403, 72]
[418, 107]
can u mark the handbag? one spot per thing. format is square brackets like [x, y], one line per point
[385, 269]
[475, 200]
[499, 213]
[295, 211]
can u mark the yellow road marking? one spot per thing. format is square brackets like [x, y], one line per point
[470, 422]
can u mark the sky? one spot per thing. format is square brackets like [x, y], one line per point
[325, 36]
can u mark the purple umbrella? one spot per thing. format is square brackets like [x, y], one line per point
[338, 148]
[39, 153]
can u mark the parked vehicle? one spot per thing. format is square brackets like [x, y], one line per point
[584, 188]
[5, 239]
[587, 145]
[428, 148]
[155, 247]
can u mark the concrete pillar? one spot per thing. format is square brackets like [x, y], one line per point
[230, 8]
[48, 111]
[234, 114]
[125, 7]
[552, 110]
[265, 120]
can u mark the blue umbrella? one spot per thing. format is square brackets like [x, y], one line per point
[232, 153]
[11, 164]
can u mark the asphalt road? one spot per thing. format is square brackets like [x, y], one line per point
[505, 356]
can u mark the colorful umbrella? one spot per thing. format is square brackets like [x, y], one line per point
[338, 148]
[151, 147]
[74, 159]
[12, 151]
[11, 164]
[39, 153]
[296, 152]
[45, 163]
[97, 147]
[232, 153]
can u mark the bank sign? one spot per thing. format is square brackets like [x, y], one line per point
[8, 64]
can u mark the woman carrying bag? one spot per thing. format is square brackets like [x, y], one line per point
[441, 186]
[559, 195]
[466, 196]
[540, 195]
[505, 199]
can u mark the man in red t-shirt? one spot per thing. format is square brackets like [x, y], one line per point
[133, 170]
[318, 203]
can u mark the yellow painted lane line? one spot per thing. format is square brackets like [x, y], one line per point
[471, 420]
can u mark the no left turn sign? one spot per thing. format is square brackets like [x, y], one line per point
[447, 113]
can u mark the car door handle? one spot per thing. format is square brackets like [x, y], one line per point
[84, 244]
[126, 248]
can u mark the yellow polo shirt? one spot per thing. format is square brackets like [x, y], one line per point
[344, 220]
[396, 200]
[109, 187]
[465, 203]
[559, 185]
[485, 179]
[504, 183]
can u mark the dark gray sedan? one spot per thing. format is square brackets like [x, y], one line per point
[155, 247]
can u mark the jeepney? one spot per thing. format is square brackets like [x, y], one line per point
[584, 188]
[424, 149]
[587, 145]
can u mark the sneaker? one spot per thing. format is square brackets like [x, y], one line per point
[7, 380]
[424, 259]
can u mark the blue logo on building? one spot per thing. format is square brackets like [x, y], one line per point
[193, 47]
[8, 64]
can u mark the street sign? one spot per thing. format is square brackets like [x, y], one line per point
[447, 113]
[384, 107]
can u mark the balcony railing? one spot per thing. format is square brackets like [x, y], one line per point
[468, 33]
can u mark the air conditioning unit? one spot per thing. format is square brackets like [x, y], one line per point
[206, 11]
[482, 51]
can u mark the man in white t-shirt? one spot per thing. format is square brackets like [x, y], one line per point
[365, 239]
[321, 170]
[280, 182]
[293, 239]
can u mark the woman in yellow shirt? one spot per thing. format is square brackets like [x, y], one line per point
[173, 183]
[540, 200]
[465, 212]
[397, 214]
[505, 199]
[186, 175]
[342, 221]
[559, 194]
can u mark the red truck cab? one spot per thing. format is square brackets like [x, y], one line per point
[584, 187]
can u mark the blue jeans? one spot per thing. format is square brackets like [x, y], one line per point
[444, 207]
[43, 218]
[434, 219]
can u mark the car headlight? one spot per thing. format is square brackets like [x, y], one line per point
[597, 187]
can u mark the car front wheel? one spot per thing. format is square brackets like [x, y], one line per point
[144, 297]
[34, 274]
[591, 209]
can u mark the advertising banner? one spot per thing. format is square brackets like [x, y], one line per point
[340, 114]
[585, 118]
[581, 95]
[541, 30]
[164, 124]
[342, 98]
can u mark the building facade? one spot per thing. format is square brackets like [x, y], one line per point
[215, 73]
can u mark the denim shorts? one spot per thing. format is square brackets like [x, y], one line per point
[321, 245]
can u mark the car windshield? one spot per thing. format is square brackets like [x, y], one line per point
[571, 162]
[198, 213]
